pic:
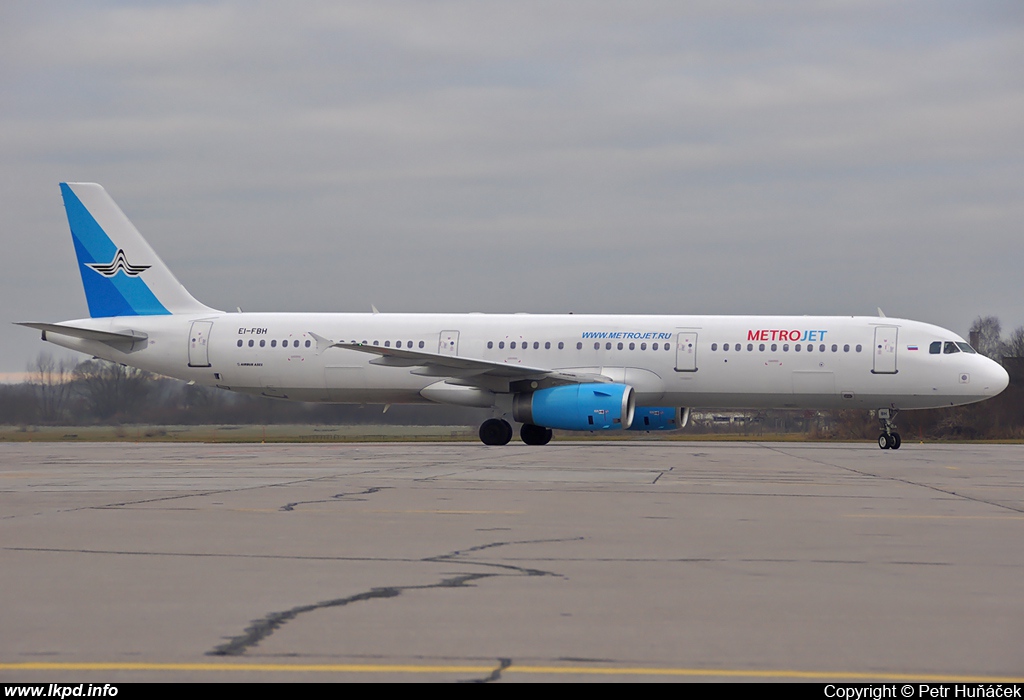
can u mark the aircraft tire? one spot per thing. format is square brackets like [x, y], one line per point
[535, 434]
[495, 431]
[896, 441]
[883, 441]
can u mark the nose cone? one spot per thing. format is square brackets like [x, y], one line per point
[995, 377]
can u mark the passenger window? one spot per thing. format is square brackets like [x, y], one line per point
[239, 343]
[785, 347]
[750, 347]
[501, 345]
[643, 346]
[761, 347]
[561, 345]
[512, 345]
[846, 348]
[632, 346]
[597, 346]
[620, 346]
[859, 347]
[387, 343]
[714, 346]
[421, 343]
[251, 343]
[376, 342]
[775, 347]
[398, 343]
[607, 346]
[654, 346]
[796, 347]
[308, 343]
[579, 346]
[490, 344]
[536, 345]
[263, 343]
[835, 348]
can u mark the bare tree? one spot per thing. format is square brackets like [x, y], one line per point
[988, 332]
[1014, 347]
[51, 386]
[110, 389]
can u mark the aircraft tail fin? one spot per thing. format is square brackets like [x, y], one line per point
[121, 273]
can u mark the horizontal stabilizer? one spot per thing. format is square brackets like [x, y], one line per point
[117, 339]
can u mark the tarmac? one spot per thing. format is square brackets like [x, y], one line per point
[587, 561]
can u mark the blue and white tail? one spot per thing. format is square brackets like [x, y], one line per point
[121, 274]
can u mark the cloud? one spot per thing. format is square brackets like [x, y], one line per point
[640, 157]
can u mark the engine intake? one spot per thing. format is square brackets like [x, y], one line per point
[577, 407]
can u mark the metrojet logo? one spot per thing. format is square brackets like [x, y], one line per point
[792, 336]
[120, 262]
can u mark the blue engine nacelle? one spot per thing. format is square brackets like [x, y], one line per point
[577, 407]
[659, 418]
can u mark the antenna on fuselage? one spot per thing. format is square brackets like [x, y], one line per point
[881, 313]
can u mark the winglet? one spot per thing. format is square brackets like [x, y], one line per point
[322, 343]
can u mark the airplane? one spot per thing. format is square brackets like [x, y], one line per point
[593, 373]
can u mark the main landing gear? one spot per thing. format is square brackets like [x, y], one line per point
[889, 439]
[496, 431]
[535, 434]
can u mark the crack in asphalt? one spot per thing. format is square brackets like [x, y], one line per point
[898, 479]
[495, 674]
[265, 626]
[348, 497]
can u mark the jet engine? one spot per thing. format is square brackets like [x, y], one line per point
[577, 407]
[659, 418]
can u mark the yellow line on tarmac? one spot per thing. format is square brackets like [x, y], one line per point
[895, 516]
[538, 670]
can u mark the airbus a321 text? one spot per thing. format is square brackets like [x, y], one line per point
[571, 372]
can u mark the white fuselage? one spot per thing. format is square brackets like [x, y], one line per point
[700, 361]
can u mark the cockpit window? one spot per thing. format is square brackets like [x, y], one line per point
[949, 347]
[966, 347]
[935, 348]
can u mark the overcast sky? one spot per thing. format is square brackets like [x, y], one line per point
[634, 157]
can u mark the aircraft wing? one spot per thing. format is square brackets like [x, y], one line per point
[464, 369]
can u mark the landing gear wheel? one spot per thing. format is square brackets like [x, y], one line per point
[889, 439]
[535, 434]
[495, 431]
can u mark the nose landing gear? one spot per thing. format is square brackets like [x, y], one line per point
[889, 439]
